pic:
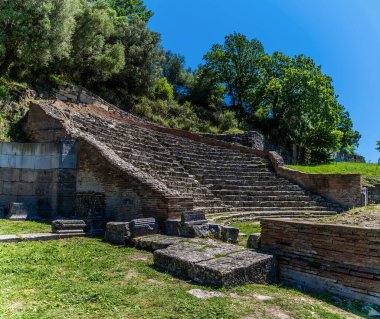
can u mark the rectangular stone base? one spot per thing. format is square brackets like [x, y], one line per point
[216, 263]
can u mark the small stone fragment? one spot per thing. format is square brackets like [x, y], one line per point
[229, 234]
[172, 227]
[143, 227]
[117, 232]
[204, 294]
[254, 241]
[215, 230]
[187, 217]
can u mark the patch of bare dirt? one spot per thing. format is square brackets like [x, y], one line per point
[140, 257]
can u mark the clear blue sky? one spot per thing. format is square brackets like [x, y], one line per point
[341, 35]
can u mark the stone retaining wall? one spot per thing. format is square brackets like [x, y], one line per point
[343, 189]
[41, 175]
[342, 260]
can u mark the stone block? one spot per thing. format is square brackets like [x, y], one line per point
[229, 234]
[20, 212]
[62, 226]
[214, 263]
[143, 227]
[254, 241]
[187, 217]
[117, 232]
[172, 227]
[214, 230]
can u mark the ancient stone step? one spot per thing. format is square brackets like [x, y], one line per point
[213, 263]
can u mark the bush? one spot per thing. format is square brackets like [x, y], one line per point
[227, 121]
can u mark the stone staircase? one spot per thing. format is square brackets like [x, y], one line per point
[226, 183]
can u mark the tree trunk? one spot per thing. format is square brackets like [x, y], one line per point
[4, 66]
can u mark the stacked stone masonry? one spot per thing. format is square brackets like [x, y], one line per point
[343, 260]
[146, 170]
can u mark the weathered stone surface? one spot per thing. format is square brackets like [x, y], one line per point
[117, 232]
[254, 241]
[188, 217]
[192, 231]
[9, 239]
[172, 227]
[62, 226]
[155, 242]
[204, 294]
[19, 212]
[215, 230]
[143, 227]
[230, 234]
[215, 263]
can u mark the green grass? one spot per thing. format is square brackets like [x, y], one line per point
[25, 227]
[370, 172]
[246, 228]
[86, 278]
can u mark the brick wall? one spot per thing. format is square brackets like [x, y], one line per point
[125, 196]
[342, 260]
[343, 189]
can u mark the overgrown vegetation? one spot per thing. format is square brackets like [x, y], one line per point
[370, 172]
[106, 46]
[85, 278]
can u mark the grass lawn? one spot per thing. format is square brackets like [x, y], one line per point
[246, 228]
[23, 227]
[86, 278]
[370, 172]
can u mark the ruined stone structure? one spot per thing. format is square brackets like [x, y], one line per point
[344, 260]
[128, 168]
[41, 176]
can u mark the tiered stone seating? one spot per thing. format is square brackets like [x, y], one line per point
[226, 182]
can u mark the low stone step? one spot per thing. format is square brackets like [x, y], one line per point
[214, 263]
[273, 209]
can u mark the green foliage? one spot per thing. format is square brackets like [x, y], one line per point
[173, 68]
[162, 90]
[173, 114]
[378, 145]
[96, 54]
[133, 9]
[228, 121]
[236, 65]
[35, 32]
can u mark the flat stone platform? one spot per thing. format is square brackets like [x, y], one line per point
[37, 237]
[211, 262]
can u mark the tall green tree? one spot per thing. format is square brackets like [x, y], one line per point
[97, 50]
[35, 32]
[133, 9]
[236, 65]
[378, 145]
[298, 106]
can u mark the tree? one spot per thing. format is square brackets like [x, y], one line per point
[132, 9]
[173, 68]
[236, 65]
[378, 145]
[299, 106]
[97, 50]
[35, 32]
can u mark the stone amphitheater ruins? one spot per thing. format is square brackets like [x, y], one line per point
[102, 165]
